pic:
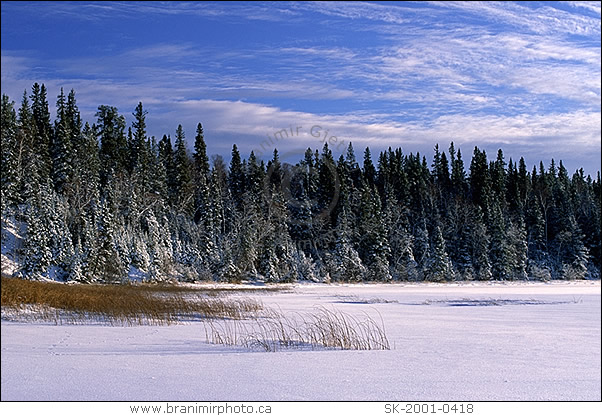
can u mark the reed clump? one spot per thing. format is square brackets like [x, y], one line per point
[116, 304]
[322, 328]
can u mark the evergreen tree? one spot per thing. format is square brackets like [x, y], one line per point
[201, 161]
[30, 163]
[100, 211]
[61, 150]
[458, 175]
[38, 255]
[327, 191]
[369, 172]
[480, 181]
[374, 248]
[480, 247]
[345, 263]
[43, 131]
[517, 250]
[9, 153]
[138, 138]
[183, 173]
[355, 173]
[501, 264]
[236, 178]
[274, 171]
[113, 143]
[201, 176]
[438, 267]
[403, 264]
[166, 158]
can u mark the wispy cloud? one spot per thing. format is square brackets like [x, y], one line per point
[496, 73]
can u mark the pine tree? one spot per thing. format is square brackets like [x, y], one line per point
[166, 158]
[345, 263]
[183, 173]
[369, 172]
[327, 191]
[441, 171]
[374, 248]
[201, 176]
[106, 262]
[354, 169]
[480, 181]
[517, 249]
[113, 143]
[138, 138]
[403, 264]
[438, 267]
[61, 150]
[501, 264]
[9, 155]
[42, 140]
[38, 255]
[274, 171]
[236, 178]
[30, 165]
[201, 161]
[480, 247]
[458, 174]
[255, 178]
[587, 214]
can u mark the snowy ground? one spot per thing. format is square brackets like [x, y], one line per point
[449, 342]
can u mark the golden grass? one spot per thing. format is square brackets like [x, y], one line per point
[116, 304]
[229, 321]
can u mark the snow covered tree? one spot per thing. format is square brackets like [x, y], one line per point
[113, 143]
[236, 178]
[43, 131]
[201, 176]
[345, 263]
[183, 171]
[106, 263]
[36, 250]
[369, 172]
[97, 204]
[501, 265]
[61, 149]
[480, 247]
[9, 153]
[373, 247]
[438, 267]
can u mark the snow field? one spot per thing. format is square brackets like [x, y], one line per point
[448, 342]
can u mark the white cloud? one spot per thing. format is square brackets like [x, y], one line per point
[561, 136]
[522, 76]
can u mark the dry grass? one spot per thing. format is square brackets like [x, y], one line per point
[116, 304]
[229, 321]
[323, 328]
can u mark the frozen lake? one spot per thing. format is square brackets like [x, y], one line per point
[477, 341]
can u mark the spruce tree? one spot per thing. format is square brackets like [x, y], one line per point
[183, 174]
[201, 176]
[113, 143]
[369, 172]
[9, 153]
[30, 164]
[61, 150]
[374, 247]
[480, 246]
[236, 178]
[42, 140]
[438, 268]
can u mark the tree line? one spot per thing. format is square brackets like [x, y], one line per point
[107, 203]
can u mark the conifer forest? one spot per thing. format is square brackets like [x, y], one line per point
[101, 201]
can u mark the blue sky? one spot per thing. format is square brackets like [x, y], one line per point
[521, 76]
